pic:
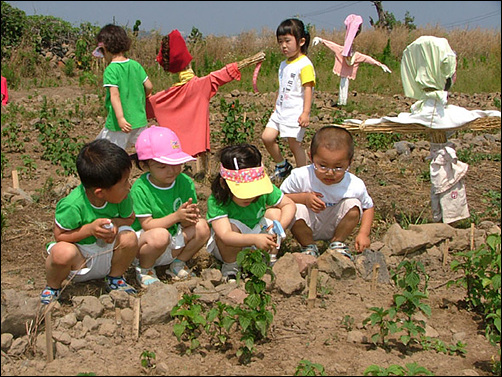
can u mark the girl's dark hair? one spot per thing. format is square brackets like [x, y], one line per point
[114, 38]
[246, 156]
[332, 138]
[102, 164]
[296, 28]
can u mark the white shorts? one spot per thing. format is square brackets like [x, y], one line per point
[177, 242]
[286, 130]
[324, 223]
[98, 256]
[122, 139]
[211, 246]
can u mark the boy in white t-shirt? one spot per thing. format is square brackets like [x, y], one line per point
[330, 201]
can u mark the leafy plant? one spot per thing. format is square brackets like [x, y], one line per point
[191, 322]
[219, 321]
[439, 346]
[411, 369]
[480, 276]
[307, 368]
[147, 359]
[348, 322]
[236, 127]
[254, 316]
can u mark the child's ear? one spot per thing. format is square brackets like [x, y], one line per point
[98, 192]
[302, 42]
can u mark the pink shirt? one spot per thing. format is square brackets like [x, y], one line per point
[5, 91]
[185, 108]
[342, 68]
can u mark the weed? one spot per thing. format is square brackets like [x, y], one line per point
[308, 368]
[411, 369]
[147, 359]
[191, 322]
[236, 127]
[348, 322]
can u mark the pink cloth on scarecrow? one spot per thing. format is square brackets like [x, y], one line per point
[5, 93]
[185, 108]
[352, 23]
[342, 68]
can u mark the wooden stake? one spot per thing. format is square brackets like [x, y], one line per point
[472, 236]
[118, 317]
[374, 276]
[137, 316]
[312, 288]
[48, 334]
[445, 251]
[15, 179]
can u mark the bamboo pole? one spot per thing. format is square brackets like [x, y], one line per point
[312, 288]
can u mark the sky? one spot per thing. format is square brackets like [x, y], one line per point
[227, 18]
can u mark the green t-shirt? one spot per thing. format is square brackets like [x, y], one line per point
[75, 210]
[128, 76]
[158, 202]
[250, 215]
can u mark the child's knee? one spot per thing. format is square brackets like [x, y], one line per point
[203, 231]
[127, 240]
[158, 238]
[63, 253]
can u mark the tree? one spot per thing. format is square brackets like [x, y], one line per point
[387, 20]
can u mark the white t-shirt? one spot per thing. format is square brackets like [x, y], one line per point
[303, 179]
[292, 76]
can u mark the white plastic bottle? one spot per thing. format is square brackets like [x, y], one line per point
[101, 242]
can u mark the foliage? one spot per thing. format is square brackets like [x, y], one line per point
[400, 316]
[147, 359]
[308, 368]
[236, 128]
[191, 321]
[480, 275]
[13, 27]
[254, 316]
[219, 322]
[382, 141]
[411, 369]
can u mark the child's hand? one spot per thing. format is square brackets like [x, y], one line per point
[100, 231]
[304, 120]
[265, 241]
[124, 125]
[314, 202]
[362, 242]
[188, 213]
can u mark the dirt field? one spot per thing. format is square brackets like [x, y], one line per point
[319, 335]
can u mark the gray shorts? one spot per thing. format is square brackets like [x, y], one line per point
[211, 246]
[324, 223]
[98, 257]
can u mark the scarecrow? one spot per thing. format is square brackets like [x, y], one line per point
[184, 107]
[346, 59]
[428, 70]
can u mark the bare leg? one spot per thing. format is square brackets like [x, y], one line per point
[347, 225]
[298, 152]
[64, 257]
[197, 237]
[152, 244]
[269, 137]
[126, 250]
[302, 233]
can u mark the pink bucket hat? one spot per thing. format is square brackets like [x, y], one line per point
[352, 23]
[162, 145]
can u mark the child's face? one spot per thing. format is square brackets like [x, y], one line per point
[289, 46]
[163, 175]
[119, 191]
[331, 159]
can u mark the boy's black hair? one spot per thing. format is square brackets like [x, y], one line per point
[246, 156]
[332, 137]
[102, 164]
[114, 38]
[296, 28]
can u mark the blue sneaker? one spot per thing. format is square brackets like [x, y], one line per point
[341, 248]
[311, 249]
[118, 284]
[281, 172]
[49, 294]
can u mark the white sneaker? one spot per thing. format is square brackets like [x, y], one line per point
[146, 276]
[178, 270]
[229, 272]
